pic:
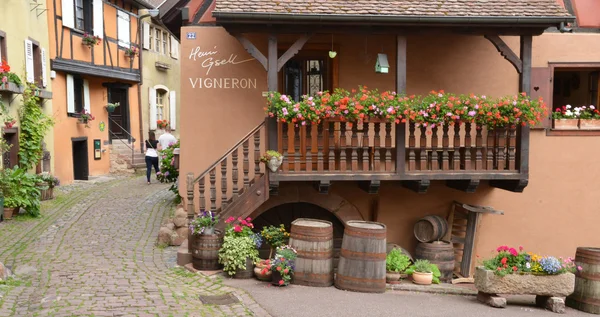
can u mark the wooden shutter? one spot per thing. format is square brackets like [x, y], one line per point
[44, 72]
[98, 13]
[173, 109]
[29, 69]
[542, 86]
[146, 38]
[123, 28]
[86, 96]
[174, 47]
[70, 94]
[68, 13]
[152, 100]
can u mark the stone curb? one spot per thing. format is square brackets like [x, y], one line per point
[447, 289]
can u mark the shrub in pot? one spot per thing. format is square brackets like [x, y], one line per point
[395, 264]
[283, 265]
[239, 250]
[21, 190]
[424, 272]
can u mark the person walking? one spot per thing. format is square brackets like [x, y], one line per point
[152, 148]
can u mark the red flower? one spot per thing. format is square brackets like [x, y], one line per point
[279, 268]
[237, 229]
[230, 219]
[513, 252]
[503, 261]
[286, 271]
[281, 282]
[515, 268]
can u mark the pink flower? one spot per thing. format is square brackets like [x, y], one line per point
[520, 248]
[281, 282]
[503, 261]
[248, 219]
[579, 268]
[229, 220]
[237, 229]
[4, 80]
[286, 271]
[279, 268]
[515, 268]
[513, 252]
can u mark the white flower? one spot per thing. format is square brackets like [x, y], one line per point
[568, 113]
[568, 106]
[527, 265]
[592, 107]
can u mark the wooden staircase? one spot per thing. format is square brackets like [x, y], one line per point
[228, 190]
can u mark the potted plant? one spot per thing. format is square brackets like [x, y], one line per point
[566, 118]
[9, 122]
[132, 52]
[9, 81]
[162, 124]
[239, 251]
[424, 272]
[395, 264]
[589, 118]
[204, 224]
[85, 117]
[274, 236]
[110, 107]
[46, 183]
[282, 265]
[90, 40]
[272, 159]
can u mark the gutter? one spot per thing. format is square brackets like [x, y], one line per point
[240, 17]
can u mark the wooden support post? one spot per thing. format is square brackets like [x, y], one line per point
[190, 206]
[272, 84]
[400, 88]
[525, 86]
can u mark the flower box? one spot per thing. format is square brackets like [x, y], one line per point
[589, 124]
[565, 124]
[560, 285]
[11, 87]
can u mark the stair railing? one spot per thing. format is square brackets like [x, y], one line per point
[130, 138]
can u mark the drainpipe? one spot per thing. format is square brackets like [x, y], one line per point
[151, 13]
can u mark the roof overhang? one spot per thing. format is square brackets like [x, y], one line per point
[142, 4]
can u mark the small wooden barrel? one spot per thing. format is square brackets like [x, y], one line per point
[313, 239]
[430, 228]
[440, 253]
[587, 282]
[246, 272]
[205, 251]
[362, 258]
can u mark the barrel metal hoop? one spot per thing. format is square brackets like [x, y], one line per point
[588, 276]
[310, 238]
[366, 234]
[362, 256]
[356, 283]
[315, 255]
[586, 300]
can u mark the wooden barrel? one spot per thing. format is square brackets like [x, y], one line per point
[587, 282]
[313, 239]
[246, 272]
[430, 228]
[362, 258]
[205, 251]
[440, 253]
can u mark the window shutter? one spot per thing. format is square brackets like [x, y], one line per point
[541, 86]
[172, 109]
[70, 94]
[174, 47]
[86, 96]
[68, 13]
[29, 61]
[146, 38]
[152, 99]
[123, 28]
[98, 14]
[44, 74]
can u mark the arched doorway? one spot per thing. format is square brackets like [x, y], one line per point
[286, 213]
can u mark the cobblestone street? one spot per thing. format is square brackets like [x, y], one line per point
[93, 253]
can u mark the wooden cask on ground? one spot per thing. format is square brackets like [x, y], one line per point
[440, 253]
[430, 228]
[313, 240]
[362, 258]
[205, 251]
[587, 282]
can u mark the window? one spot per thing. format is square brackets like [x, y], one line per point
[157, 39]
[78, 95]
[150, 36]
[37, 64]
[3, 55]
[123, 28]
[161, 98]
[165, 43]
[83, 15]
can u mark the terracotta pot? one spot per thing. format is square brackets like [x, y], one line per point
[10, 212]
[392, 276]
[565, 124]
[589, 124]
[422, 278]
[263, 272]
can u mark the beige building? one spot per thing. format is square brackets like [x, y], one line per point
[160, 76]
[26, 50]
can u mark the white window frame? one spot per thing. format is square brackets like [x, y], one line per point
[124, 28]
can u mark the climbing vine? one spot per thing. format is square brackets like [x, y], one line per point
[34, 126]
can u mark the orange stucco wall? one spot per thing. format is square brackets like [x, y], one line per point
[554, 215]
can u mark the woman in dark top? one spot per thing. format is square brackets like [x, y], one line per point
[152, 148]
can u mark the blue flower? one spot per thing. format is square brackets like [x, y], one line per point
[550, 265]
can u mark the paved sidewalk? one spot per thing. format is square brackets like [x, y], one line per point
[93, 253]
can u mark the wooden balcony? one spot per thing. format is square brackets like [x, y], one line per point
[375, 151]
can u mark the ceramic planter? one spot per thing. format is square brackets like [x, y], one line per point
[560, 285]
[208, 230]
[422, 278]
[392, 276]
[565, 124]
[110, 109]
[274, 163]
[589, 124]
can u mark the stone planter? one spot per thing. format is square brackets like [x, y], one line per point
[392, 276]
[274, 163]
[589, 124]
[565, 124]
[549, 289]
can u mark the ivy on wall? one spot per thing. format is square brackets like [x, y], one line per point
[34, 126]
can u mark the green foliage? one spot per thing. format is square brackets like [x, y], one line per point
[168, 173]
[287, 252]
[112, 106]
[275, 236]
[267, 156]
[34, 126]
[424, 266]
[235, 251]
[19, 190]
[396, 261]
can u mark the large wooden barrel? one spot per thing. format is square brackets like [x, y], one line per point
[313, 239]
[440, 253]
[587, 282]
[362, 258]
[205, 251]
[430, 228]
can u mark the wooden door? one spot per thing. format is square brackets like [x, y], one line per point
[80, 159]
[118, 121]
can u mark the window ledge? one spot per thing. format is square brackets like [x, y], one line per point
[574, 132]
[11, 88]
[43, 94]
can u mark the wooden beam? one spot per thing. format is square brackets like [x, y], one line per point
[293, 50]
[400, 64]
[272, 82]
[506, 51]
[525, 86]
[516, 185]
[371, 187]
[253, 51]
[273, 188]
[419, 186]
[465, 185]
